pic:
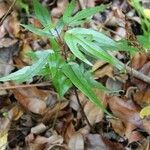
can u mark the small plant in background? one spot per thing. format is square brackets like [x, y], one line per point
[64, 71]
[145, 23]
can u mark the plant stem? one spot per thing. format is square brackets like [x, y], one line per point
[82, 111]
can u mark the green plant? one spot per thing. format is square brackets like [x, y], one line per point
[145, 24]
[66, 72]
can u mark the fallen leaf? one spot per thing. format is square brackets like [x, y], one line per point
[51, 112]
[31, 98]
[97, 142]
[4, 127]
[138, 60]
[42, 143]
[146, 124]
[118, 126]
[105, 71]
[142, 98]
[76, 142]
[125, 110]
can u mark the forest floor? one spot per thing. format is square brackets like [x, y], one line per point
[32, 117]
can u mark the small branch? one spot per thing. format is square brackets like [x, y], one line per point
[7, 13]
[23, 86]
[138, 74]
[82, 111]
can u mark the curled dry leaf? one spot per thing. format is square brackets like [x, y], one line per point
[31, 98]
[125, 110]
[76, 142]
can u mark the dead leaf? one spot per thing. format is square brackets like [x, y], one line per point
[31, 98]
[42, 143]
[125, 110]
[58, 11]
[142, 98]
[118, 126]
[105, 71]
[40, 128]
[97, 142]
[53, 110]
[15, 113]
[76, 142]
[8, 48]
[138, 60]
[146, 124]
[4, 127]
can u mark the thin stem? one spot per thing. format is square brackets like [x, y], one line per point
[7, 13]
[82, 111]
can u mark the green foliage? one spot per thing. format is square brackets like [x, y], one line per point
[145, 24]
[64, 73]
[82, 15]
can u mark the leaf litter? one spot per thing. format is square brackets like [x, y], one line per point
[33, 118]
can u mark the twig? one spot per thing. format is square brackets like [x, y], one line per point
[24, 86]
[82, 111]
[7, 13]
[138, 74]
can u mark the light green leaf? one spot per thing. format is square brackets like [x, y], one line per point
[42, 13]
[26, 73]
[37, 31]
[88, 12]
[68, 11]
[73, 72]
[88, 39]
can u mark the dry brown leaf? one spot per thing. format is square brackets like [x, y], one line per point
[125, 110]
[69, 132]
[138, 60]
[15, 113]
[42, 143]
[76, 142]
[4, 127]
[31, 98]
[51, 112]
[97, 142]
[58, 11]
[142, 98]
[118, 126]
[146, 124]
[105, 71]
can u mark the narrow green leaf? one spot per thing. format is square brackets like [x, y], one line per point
[25, 74]
[84, 14]
[87, 39]
[73, 72]
[42, 13]
[68, 11]
[37, 31]
[70, 40]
